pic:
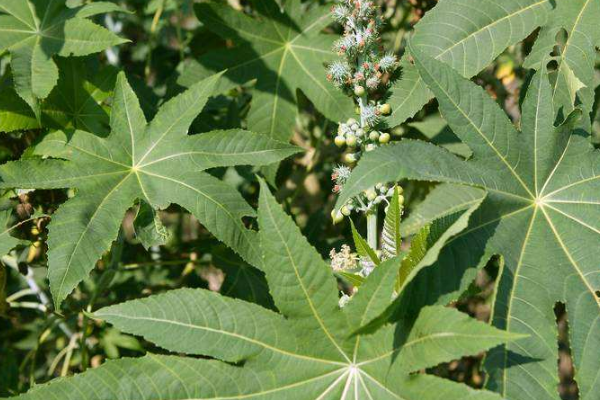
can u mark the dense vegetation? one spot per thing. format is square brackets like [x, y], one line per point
[359, 199]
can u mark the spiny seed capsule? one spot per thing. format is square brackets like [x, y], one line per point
[340, 141]
[374, 135]
[384, 138]
[385, 109]
[351, 140]
[359, 91]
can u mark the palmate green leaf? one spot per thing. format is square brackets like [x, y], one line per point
[34, 31]
[75, 102]
[540, 214]
[156, 162]
[467, 35]
[578, 19]
[302, 353]
[283, 51]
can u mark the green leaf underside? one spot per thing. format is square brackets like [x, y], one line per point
[579, 20]
[466, 36]
[283, 51]
[156, 162]
[303, 353]
[34, 31]
[540, 214]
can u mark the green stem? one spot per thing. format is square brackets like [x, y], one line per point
[372, 229]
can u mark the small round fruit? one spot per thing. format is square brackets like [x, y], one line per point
[371, 194]
[346, 211]
[400, 199]
[384, 138]
[340, 141]
[374, 135]
[359, 90]
[350, 158]
[385, 109]
[336, 216]
[370, 147]
[351, 140]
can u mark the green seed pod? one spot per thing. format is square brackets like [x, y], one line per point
[384, 138]
[371, 194]
[385, 109]
[350, 158]
[336, 216]
[340, 141]
[351, 140]
[374, 135]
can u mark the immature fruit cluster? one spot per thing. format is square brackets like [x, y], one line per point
[363, 73]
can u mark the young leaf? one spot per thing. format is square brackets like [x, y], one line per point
[362, 247]
[391, 238]
[425, 249]
[148, 227]
[302, 353]
[34, 31]
[466, 37]
[283, 50]
[156, 162]
[540, 214]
